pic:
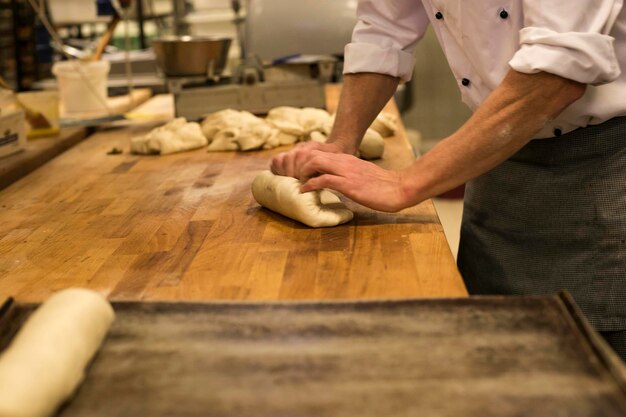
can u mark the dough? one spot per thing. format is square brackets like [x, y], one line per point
[246, 137]
[282, 195]
[313, 119]
[298, 122]
[385, 124]
[286, 138]
[176, 136]
[372, 146]
[233, 130]
[224, 119]
[225, 140]
[45, 363]
[318, 137]
[255, 136]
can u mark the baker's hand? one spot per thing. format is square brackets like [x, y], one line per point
[290, 163]
[361, 181]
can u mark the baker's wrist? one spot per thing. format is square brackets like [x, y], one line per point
[344, 145]
[410, 188]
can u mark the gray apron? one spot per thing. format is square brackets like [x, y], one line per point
[553, 217]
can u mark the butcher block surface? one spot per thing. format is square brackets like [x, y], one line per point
[186, 227]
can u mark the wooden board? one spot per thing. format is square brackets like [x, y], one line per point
[185, 227]
[505, 357]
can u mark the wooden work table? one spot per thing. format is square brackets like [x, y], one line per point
[185, 227]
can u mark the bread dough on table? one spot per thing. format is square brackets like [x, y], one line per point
[315, 209]
[233, 130]
[246, 137]
[372, 146]
[46, 360]
[255, 136]
[312, 119]
[175, 136]
[385, 124]
[225, 140]
[298, 122]
[224, 119]
[318, 137]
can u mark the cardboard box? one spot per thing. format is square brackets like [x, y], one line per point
[12, 132]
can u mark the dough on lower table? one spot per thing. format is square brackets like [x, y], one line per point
[46, 361]
[282, 195]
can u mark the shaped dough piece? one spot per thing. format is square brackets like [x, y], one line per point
[385, 124]
[315, 209]
[372, 146]
[175, 136]
[46, 361]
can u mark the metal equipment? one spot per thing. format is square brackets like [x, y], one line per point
[289, 51]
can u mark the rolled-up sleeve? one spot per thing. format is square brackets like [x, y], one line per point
[570, 39]
[385, 37]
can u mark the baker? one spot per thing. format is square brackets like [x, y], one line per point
[543, 155]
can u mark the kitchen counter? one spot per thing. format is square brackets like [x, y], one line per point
[185, 227]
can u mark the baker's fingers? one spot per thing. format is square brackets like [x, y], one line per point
[318, 163]
[320, 182]
[277, 165]
[288, 163]
[361, 181]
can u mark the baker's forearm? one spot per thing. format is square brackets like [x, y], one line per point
[362, 97]
[507, 120]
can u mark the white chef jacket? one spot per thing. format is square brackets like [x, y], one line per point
[582, 40]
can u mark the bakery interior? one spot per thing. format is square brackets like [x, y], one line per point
[142, 274]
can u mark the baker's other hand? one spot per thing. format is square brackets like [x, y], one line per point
[361, 181]
[290, 163]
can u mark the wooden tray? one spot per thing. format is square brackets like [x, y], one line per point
[490, 356]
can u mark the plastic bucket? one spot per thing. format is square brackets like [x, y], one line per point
[82, 85]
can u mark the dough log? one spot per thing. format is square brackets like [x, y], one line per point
[45, 363]
[314, 209]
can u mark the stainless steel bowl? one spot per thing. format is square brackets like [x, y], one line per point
[187, 56]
